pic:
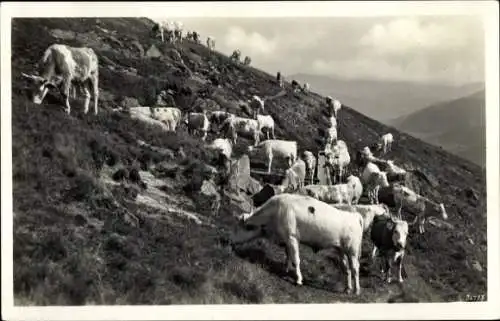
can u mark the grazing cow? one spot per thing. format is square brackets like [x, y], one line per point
[331, 194]
[211, 43]
[235, 55]
[295, 175]
[417, 204]
[333, 106]
[256, 105]
[385, 143]
[266, 122]
[218, 117]
[373, 178]
[60, 67]
[311, 162]
[389, 237]
[198, 122]
[276, 147]
[298, 219]
[338, 159]
[171, 116]
[246, 127]
[368, 212]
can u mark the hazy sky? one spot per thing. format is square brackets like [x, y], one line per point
[445, 49]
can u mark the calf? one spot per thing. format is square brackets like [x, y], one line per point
[63, 65]
[170, 116]
[421, 206]
[389, 237]
[298, 219]
[247, 127]
[385, 143]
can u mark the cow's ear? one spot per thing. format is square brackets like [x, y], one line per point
[390, 225]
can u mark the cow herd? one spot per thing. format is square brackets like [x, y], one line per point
[325, 215]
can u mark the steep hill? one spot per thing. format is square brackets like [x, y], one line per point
[459, 126]
[106, 210]
[385, 100]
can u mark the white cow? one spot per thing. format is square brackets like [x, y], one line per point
[276, 147]
[338, 159]
[305, 87]
[63, 65]
[368, 212]
[246, 127]
[266, 122]
[331, 194]
[298, 219]
[223, 145]
[311, 162]
[166, 30]
[417, 204]
[198, 122]
[330, 139]
[385, 142]
[357, 188]
[178, 29]
[394, 169]
[295, 176]
[171, 116]
[373, 178]
[211, 43]
[333, 106]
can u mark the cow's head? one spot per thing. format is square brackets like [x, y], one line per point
[399, 229]
[382, 179]
[39, 87]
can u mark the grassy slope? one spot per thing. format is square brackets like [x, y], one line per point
[73, 243]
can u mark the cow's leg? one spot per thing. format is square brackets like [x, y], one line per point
[400, 208]
[354, 267]
[204, 135]
[269, 162]
[293, 243]
[288, 262]
[399, 262]
[86, 93]
[347, 272]
[375, 196]
[66, 85]
[374, 252]
[95, 86]
[388, 265]
[421, 223]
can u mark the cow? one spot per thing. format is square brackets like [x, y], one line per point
[63, 66]
[389, 238]
[302, 219]
[311, 162]
[256, 105]
[421, 206]
[266, 122]
[171, 116]
[373, 178]
[235, 55]
[338, 159]
[211, 43]
[198, 122]
[276, 147]
[166, 30]
[331, 194]
[295, 175]
[247, 127]
[385, 143]
[333, 106]
[247, 61]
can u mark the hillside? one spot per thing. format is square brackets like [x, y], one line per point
[85, 234]
[459, 126]
[385, 100]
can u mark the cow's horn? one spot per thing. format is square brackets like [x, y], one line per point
[27, 76]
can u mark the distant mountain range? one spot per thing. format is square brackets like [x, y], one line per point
[384, 100]
[459, 126]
